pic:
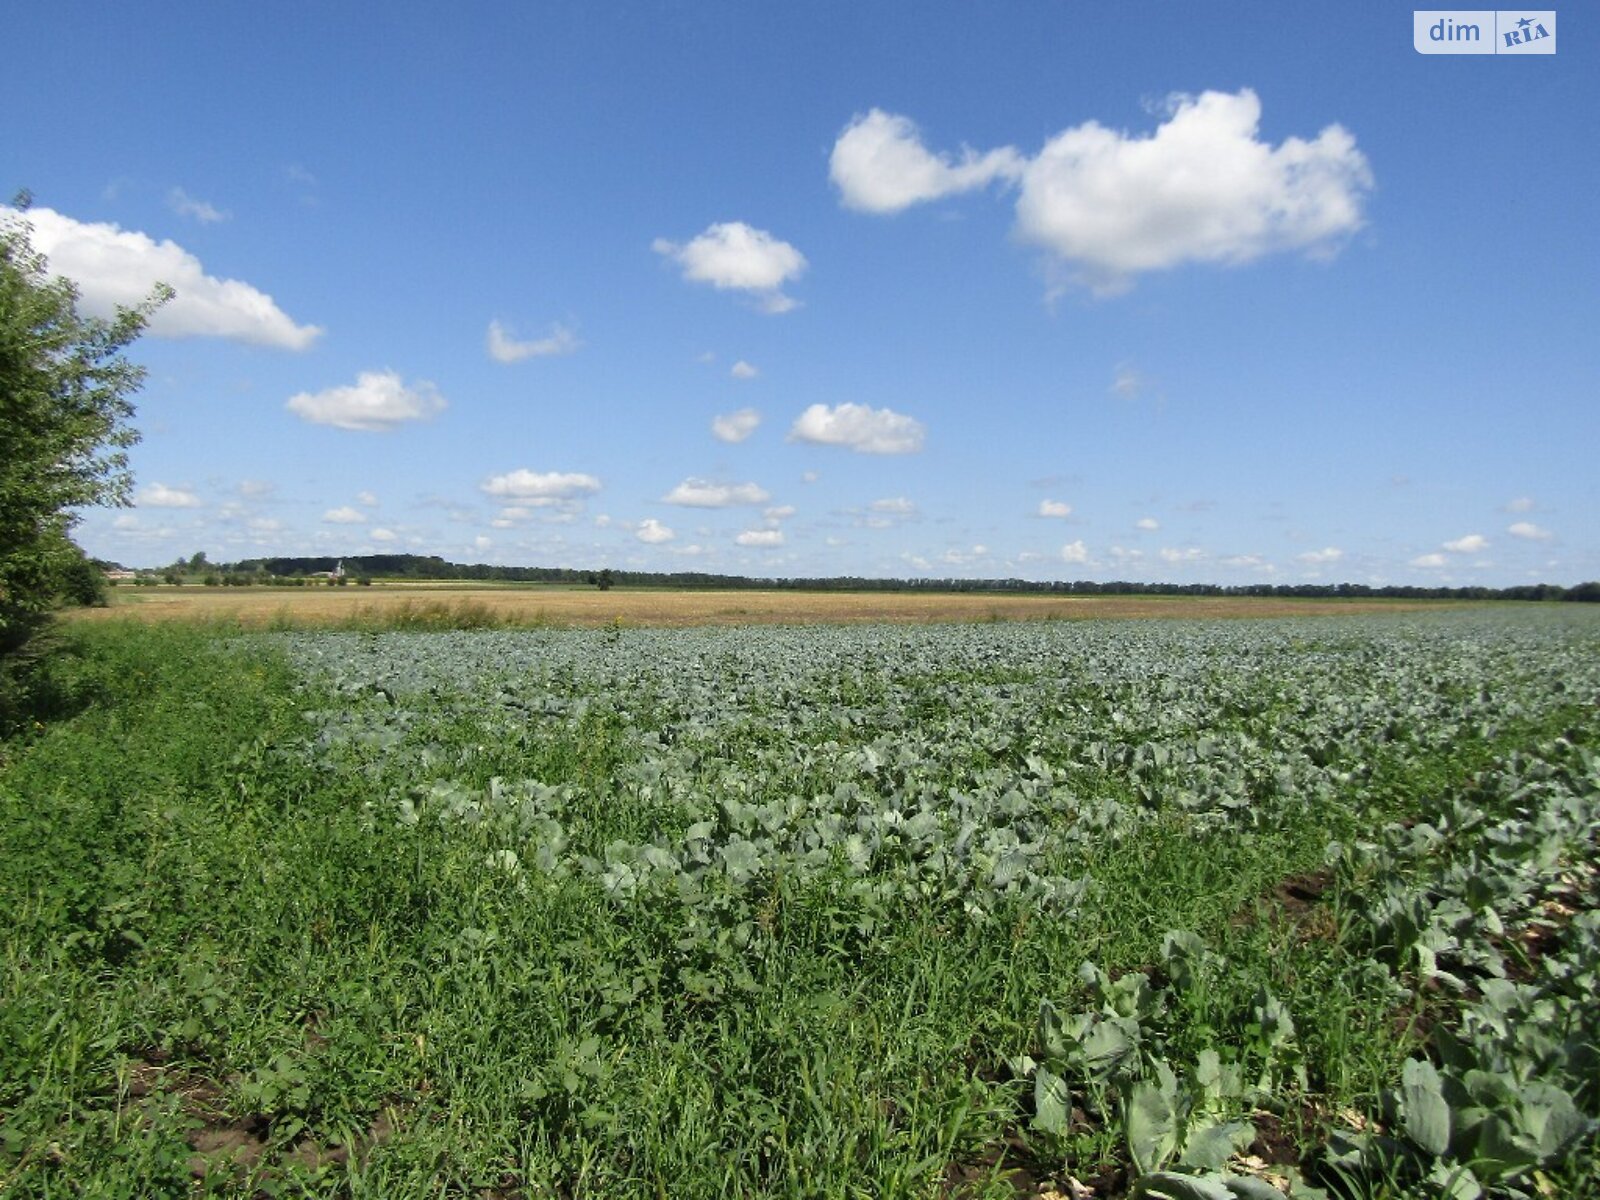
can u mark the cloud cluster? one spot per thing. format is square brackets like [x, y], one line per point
[504, 348]
[880, 165]
[159, 495]
[112, 266]
[735, 426]
[701, 493]
[1055, 508]
[760, 537]
[860, 428]
[733, 256]
[377, 401]
[1108, 206]
[1318, 558]
[540, 487]
[652, 532]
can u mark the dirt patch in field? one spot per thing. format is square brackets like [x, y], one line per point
[558, 607]
[227, 1145]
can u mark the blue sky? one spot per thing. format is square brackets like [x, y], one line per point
[1223, 292]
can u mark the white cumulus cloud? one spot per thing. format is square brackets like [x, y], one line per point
[382, 535]
[1202, 188]
[344, 515]
[879, 164]
[1147, 523]
[1529, 531]
[702, 493]
[1173, 554]
[1521, 504]
[731, 255]
[1329, 554]
[760, 537]
[860, 428]
[735, 426]
[159, 495]
[1469, 544]
[378, 400]
[653, 532]
[1054, 508]
[743, 370]
[1429, 560]
[539, 487]
[114, 266]
[1075, 552]
[504, 348]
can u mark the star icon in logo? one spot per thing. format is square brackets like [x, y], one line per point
[1525, 22]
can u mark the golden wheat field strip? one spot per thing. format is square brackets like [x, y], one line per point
[587, 608]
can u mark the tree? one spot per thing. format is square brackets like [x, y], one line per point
[65, 384]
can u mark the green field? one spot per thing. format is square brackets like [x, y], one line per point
[1243, 908]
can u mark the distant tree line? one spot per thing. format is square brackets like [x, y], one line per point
[299, 571]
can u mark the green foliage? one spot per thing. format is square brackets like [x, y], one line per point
[766, 912]
[65, 384]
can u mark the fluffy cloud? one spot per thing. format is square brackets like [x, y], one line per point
[778, 512]
[1329, 554]
[185, 205]
[701, 493]
[880, 165]
[1149, 524]
[760, 537]
[1521, 504]
[1054, 508]
[159, 495]
[1429, 560]
[1530, 531]
[897, 506]
[743, 370]
[539, 488]
[504, 348]
[113, 266]
[733, 256]
[1253, 562]
[344, 516]
[367, 498]
[1202, 188]
[735, 426]
[860, 428]
[1075, 552]
[383, 535]
[378, 400]
[1172, 554]
[1123, 554]
[1470, 544]
[653, 532]
[1109, 205]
